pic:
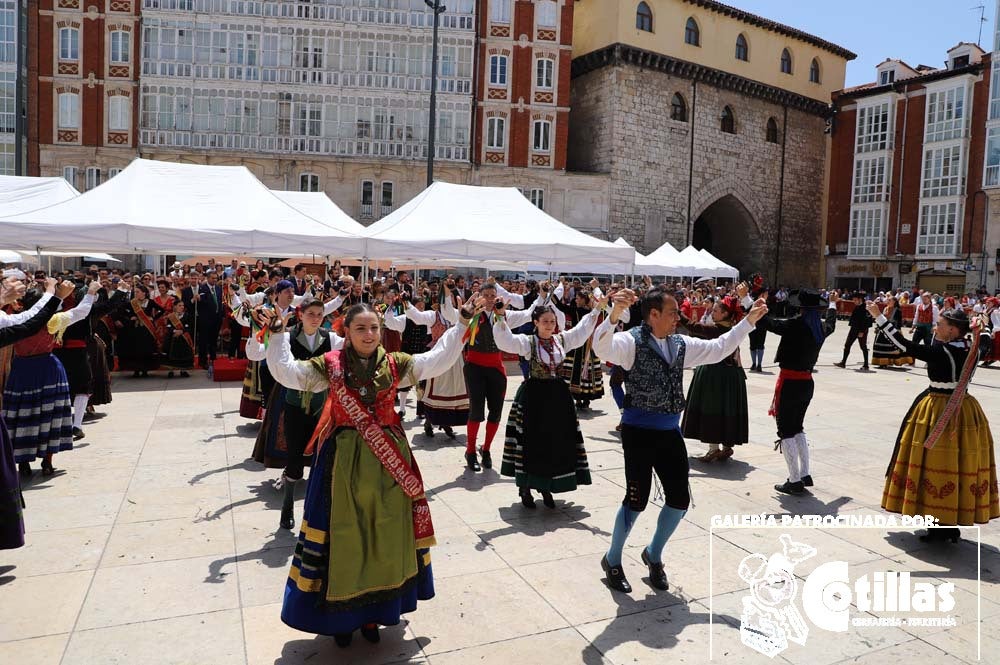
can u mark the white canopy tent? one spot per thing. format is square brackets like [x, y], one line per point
[488, 225]
[164, 207]
[319, 206]
[664, 261]
[723, 269]
[590, 268]
[20, 194]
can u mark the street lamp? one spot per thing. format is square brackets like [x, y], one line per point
[437, 8]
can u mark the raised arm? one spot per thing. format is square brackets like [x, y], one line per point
[514, 299]
[289, 372]
[509, 342]
[441, 357]
[708, 351]
[15, 332]
[578, 335]
[395, 321]
[615, 348]
[80, 312]
[425, 318]
[9, 320]
[332, 306]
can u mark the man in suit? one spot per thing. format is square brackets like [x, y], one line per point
[300, 281]
[209, 311]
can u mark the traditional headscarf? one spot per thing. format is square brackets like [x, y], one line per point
[282, 285]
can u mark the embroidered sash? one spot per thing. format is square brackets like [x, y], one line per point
[176, 322]
[144, 319]
[955, 400]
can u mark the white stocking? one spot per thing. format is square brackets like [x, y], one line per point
[803, 446]
[789, 449]
[79, 409]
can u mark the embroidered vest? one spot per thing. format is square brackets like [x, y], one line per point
[925, 314]
[312, 402]
[653, 385]
[484, 336]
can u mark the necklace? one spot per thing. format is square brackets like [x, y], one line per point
[549, 346]
[358, 367]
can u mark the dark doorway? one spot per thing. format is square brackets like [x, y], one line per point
[727, 230]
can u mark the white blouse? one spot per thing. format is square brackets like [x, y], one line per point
[571, 339]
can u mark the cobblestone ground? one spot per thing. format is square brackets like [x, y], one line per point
[158, 543]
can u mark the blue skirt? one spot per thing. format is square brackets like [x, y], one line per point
[37, 407]
[309, 611]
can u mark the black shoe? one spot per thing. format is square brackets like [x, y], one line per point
[343, 640]
[940, 535]
[184, 375]
[370, 633]
[842, 365]
[24, 468]
[47, 468]
[78, 434]
[527, 500]
[487, 458]
[616, 576]
[428, 430]
[866, 368]
[657, 576]
[170, 375]
[91, 416]
[789, 487]
[807, 481]
[287, 519]
[472, 462]
[449, 432]
[548, 500]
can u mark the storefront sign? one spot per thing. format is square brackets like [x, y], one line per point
[852, 268]
[879, 269]
[905, 268]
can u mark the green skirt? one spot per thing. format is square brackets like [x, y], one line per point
[717, 406]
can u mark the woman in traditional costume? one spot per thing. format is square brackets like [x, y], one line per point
[717, 412]
[993, 312]
[444, 400]
[884, 352]
[138, 344]
[943, 462]
[165, 299]
[36, 404]
[362, 558]
[543, 447]
[581, 368]
[179, 340]
[14, 328]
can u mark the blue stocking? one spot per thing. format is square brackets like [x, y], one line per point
[623, 524]
[666, 524]
[619, 394]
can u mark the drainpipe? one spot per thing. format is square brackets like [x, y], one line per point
[694, 116]
[902, 165]
[986, 226]
[781, 193]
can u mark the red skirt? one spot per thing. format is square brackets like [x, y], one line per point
[994, 354]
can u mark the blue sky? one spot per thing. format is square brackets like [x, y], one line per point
[916, 31]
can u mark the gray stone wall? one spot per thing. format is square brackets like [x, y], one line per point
[620, 122]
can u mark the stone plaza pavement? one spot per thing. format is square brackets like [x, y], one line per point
[158, 543]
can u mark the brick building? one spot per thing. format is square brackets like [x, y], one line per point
[82, 88]
[907, 201]
[13, 74]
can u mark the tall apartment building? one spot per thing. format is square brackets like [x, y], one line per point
[907, 200]
[82, 88]
[328, 95]
[13, 18]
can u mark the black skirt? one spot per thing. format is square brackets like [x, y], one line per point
[77, 367]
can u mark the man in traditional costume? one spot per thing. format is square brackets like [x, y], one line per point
[925, 317]
[655, 358]
[860, 324]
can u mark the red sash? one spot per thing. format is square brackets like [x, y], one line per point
[179, 325]
[783, 375]
[344, 400]
[955, 400]
[109, 323]
[144, 319]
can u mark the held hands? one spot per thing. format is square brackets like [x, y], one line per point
[742, 290]
[757, 312]
[50, 285]
[873, 310]
[11, 290]
[94, 287]
[623, 299]
[64, 290]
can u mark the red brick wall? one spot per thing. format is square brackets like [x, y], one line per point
[913, 120]
[841, 170]
[520, 137]
[566, 25]
[561, 138]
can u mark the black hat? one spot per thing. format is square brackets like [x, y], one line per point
[807, 299]
[957, 317]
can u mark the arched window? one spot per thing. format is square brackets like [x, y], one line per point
[772, 130]
[728, 124]
[678, 108]
[814, 75]
[692, 35]
[742, 49]
[786, 62]
[644, 17]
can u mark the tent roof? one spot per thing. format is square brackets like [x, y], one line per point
[20, 194]
[464, 222]
[319, 206]
[188, 208]
[723, 268]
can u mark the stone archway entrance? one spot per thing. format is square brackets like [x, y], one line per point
[728, 230]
